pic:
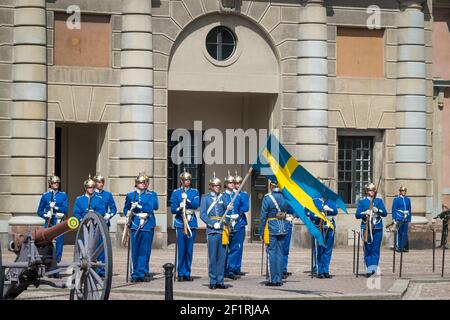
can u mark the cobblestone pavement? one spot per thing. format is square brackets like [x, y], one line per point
[417, 265]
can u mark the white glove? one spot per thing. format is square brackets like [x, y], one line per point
[184, 195]
[289, 217]
[60, 215]
[47, 215]
[107, 216]
[230, 207]
[375, 209]
[327, 208]
[142, 215]
[405, 212]
[217, 225]
[52, 204]
[182, 205]
[234, 216]
[134, 205]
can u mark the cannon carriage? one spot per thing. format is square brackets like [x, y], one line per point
[36, 261]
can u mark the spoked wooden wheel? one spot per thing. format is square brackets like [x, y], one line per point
[92, 278]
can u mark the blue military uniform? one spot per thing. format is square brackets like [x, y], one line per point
[141, 241]
[273, 203]
[212, 207]
[237, 234]
[109, 208]
[372, 247]
[185, 242]
[241, 223]
[401, 212]
[108, 203]
[61, 206]
[82, 206]
[323, 254]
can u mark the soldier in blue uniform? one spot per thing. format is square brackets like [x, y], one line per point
[88, 202]
[231, 252]
[323, 254]
[189, 199]
[375, 231]
[143, 203]
[109, 211]
[56, 201]
[241, 209]
[401, 214]
[275, 209]
[107, 199]
[287, 244]
[212, 208]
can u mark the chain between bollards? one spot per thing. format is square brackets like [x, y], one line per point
[168, 274]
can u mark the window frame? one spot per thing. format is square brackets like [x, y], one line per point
[174, 171]
[354, 160]
[219, 44]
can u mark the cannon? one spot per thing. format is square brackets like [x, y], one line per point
[36, 260]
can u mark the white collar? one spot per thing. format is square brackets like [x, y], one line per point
[228, 191]
[98, 190]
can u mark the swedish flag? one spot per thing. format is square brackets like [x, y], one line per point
[298, 186]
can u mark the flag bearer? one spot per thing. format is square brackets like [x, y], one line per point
[275, 209]
[375, 231]
[187, 198]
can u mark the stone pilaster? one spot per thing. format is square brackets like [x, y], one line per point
[311, 133]
[136, 96]
[29, 114]
[411, 134]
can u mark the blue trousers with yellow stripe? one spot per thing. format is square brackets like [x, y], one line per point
[275, 257]
[185, 252]
[216, 258]
[141, 248]
[234, 254]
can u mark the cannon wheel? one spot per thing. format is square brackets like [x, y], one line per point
[92, 237]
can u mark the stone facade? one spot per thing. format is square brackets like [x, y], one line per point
[311, 105]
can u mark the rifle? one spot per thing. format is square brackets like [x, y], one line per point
[49, 221]
[369, 217]
[126, 230]
[126, 235]
[186, 228]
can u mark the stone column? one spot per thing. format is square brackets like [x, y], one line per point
[136, 96]
[411, 134]
[29, 114]
[312, 107]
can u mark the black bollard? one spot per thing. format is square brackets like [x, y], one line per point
[168, 274]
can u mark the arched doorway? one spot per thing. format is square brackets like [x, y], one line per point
[224, 72]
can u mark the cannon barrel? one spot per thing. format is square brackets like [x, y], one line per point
[45, 236]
